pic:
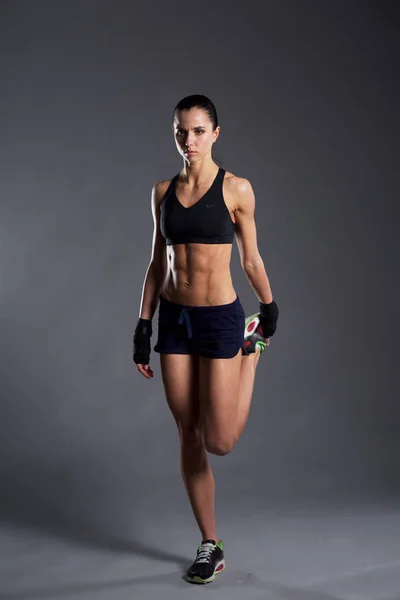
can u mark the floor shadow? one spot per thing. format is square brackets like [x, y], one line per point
[239, 580]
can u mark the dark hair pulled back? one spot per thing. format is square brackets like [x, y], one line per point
[199, 101]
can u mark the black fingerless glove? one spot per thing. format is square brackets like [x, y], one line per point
[141, 342]
[269, 318]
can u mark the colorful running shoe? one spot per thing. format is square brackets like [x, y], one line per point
[253, 334]
[209, 561]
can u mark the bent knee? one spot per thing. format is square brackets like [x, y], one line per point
[219, 446]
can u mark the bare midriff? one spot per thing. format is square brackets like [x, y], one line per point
[199, 275]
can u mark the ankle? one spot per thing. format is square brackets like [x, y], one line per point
[210, 537]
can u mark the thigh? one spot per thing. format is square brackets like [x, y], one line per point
[219, 394]
[180, 373]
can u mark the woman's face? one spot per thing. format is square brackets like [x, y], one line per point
[194, 134]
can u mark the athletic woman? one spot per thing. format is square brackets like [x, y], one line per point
[208, 350]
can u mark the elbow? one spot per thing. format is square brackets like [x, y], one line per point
[252, 263]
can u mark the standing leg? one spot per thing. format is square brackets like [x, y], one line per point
[180, 378]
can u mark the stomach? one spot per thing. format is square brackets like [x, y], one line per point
[199, 275]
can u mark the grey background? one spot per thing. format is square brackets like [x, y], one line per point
[307, 95]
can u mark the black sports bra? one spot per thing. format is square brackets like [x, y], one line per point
[208, 221]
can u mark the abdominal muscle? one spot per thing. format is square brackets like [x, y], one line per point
[199, 275]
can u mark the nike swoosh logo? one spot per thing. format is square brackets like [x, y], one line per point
[209, 205]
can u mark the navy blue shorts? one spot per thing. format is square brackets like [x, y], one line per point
[210, 331]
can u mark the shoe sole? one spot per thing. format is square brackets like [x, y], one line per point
[218, 569]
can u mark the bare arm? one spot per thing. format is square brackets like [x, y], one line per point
[246, 237]
[157, 269]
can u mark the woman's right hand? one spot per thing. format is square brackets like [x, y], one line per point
[141, 347]
[146, 371]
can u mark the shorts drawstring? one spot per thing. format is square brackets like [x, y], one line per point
[184, 316]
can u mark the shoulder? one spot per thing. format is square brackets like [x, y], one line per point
[158, 191]
[240, 190]
[161, 187]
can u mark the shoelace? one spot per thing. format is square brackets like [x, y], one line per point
[204, 552]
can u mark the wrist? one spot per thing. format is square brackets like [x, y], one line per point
[266, 303]
[143, 327]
